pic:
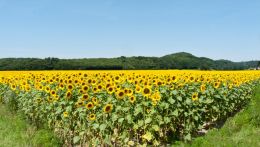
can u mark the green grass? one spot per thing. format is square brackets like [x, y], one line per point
[16, 132]
[241, 130]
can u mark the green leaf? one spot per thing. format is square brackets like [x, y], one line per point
[135, 127]
[76, 139]
[187, 137]
[102, 127]
[167, 120]
[208, 101]
[174, 92]
[196, 118]
[188, 101]
[81, 133]
[179, 98]
[175, 113]
[129, 118]
[124, 135]
[166, 106]
[95, 126]
[148, 120]
[126, 109]
[156, 127]
[148, 136]
[140, 123]
[171, 100]
[114, 117]
[138, 110]
[120, 120]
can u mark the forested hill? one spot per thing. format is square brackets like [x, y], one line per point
[180, 60]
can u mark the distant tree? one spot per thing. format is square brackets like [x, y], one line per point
[123, 60]
[258, 65]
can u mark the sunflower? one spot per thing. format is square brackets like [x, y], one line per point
[174, 79]
[85, 97]
[47, 89]
[159, 83]
[68, 94]
[146, 91]
[94, 82]
[95, 100]
[117, 79]
[85, 88]
[203, 88]
[230, 86]
[191, 79]
[195, 96]
[53, 92]
[70, 86]
[65, 114]
[110, 89]
[95, 89]
[89, 105]
[80, 103]
[40, 87]
[76, 81]
[154, 103]
[38, 100]
[92, 117]
[130, 92]
[56, 98]
[108, 108]
[50, 99]
[70, 81]
[138, 89]
[216, 85]
[132, 99]
[100, 87]
[13, 87]
[28, 88]
[89, 81]
[120, 94]
[156, 96]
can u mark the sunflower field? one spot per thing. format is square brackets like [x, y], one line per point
[132, 108]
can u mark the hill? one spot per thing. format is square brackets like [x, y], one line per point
[181, 60]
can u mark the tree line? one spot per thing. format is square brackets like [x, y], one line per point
[180, 60]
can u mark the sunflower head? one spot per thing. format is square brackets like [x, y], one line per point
[13, 87]
[156, 96]
[146, 91]
[68, 94]
[61, 86]
[80, 103]
[89, 105]
[70, 86]
[92, 117]
[203, 88]
[216, 85]
[120, 94]
[195, 96]
[132, 99]
[85, 97]
[95, 100]
[138, 89]
[108, 108]
[53, 92]
[85, 88]
[65, 114]
[110, 89]
[130, 92]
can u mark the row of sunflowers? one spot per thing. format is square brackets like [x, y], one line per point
[131, 108]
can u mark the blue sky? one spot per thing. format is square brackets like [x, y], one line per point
[218, 29]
